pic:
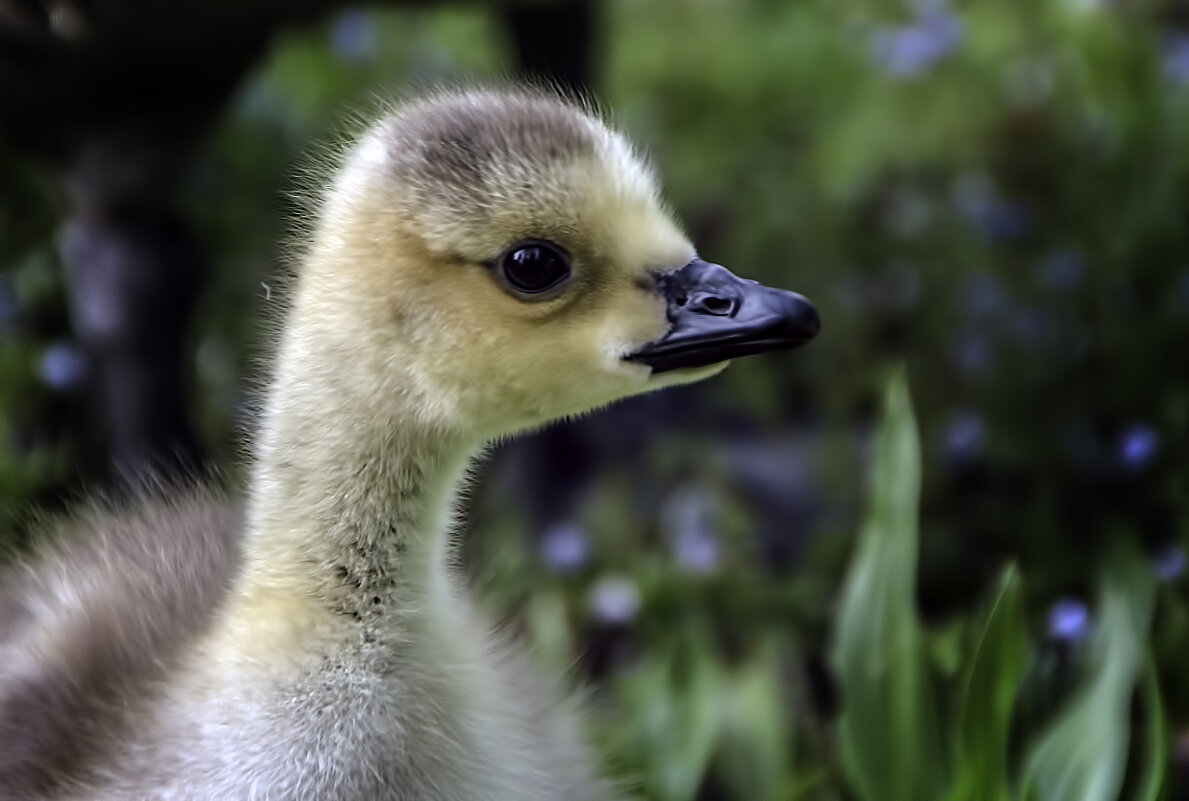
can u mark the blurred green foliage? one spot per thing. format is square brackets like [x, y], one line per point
[994, 192]
[891, 735]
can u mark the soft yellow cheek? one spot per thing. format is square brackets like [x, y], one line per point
[632, 319]
[508, 362]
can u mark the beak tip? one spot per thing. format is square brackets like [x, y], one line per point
[803, 323]
[813, 324]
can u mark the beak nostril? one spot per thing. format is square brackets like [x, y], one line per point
[715, 305]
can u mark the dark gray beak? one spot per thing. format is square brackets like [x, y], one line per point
[716, 315]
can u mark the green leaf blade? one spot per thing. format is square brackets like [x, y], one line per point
[991, 685]
[888, 736]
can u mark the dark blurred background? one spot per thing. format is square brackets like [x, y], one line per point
[994, 193]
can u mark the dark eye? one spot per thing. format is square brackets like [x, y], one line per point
[533, 267]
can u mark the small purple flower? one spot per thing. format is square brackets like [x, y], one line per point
[688, 519]
[1069, 620]
[978, 200]
[565, 547]
[983, 295]
[63, 366]
[1169, 563]
[353, 35]
[1176, 57]
[907, 51]
[1062, 269]
[1033, 327]
[972, 352]
[614, 600]
[1006, 222]
[1137, 446]
[965, 436]
[697, 551]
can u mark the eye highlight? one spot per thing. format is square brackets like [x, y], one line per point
[533, 266]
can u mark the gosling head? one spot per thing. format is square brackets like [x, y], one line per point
[507, 257]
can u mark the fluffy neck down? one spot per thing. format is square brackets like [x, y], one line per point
[349, 518]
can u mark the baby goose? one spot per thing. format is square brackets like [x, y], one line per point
[482, 263]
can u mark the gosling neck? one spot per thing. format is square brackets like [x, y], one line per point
[353, 487]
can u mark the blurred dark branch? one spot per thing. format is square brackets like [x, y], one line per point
[555, 41]
[114, 109]
[113, 98]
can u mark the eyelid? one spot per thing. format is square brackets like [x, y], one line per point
[529, 241]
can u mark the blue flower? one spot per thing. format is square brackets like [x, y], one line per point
[565, 547]
[1137, 446]
[1062, 269]
[688, 521]
[1176, 57]
[1069, 620]
[983, 296]
[1033, 327]
[353, 35]
[614, 600]
[972, 352]
[1005, 222]
[63, 366]
[1000, 220]
[697, 551]
[965, 436]
[907, 51]
[1169, 564]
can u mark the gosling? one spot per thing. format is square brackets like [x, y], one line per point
[481, 263]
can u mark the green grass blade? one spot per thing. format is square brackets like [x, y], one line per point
[888, 738]
[991, 684]
[676, 715]
[1156, 752]
[756, 746]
